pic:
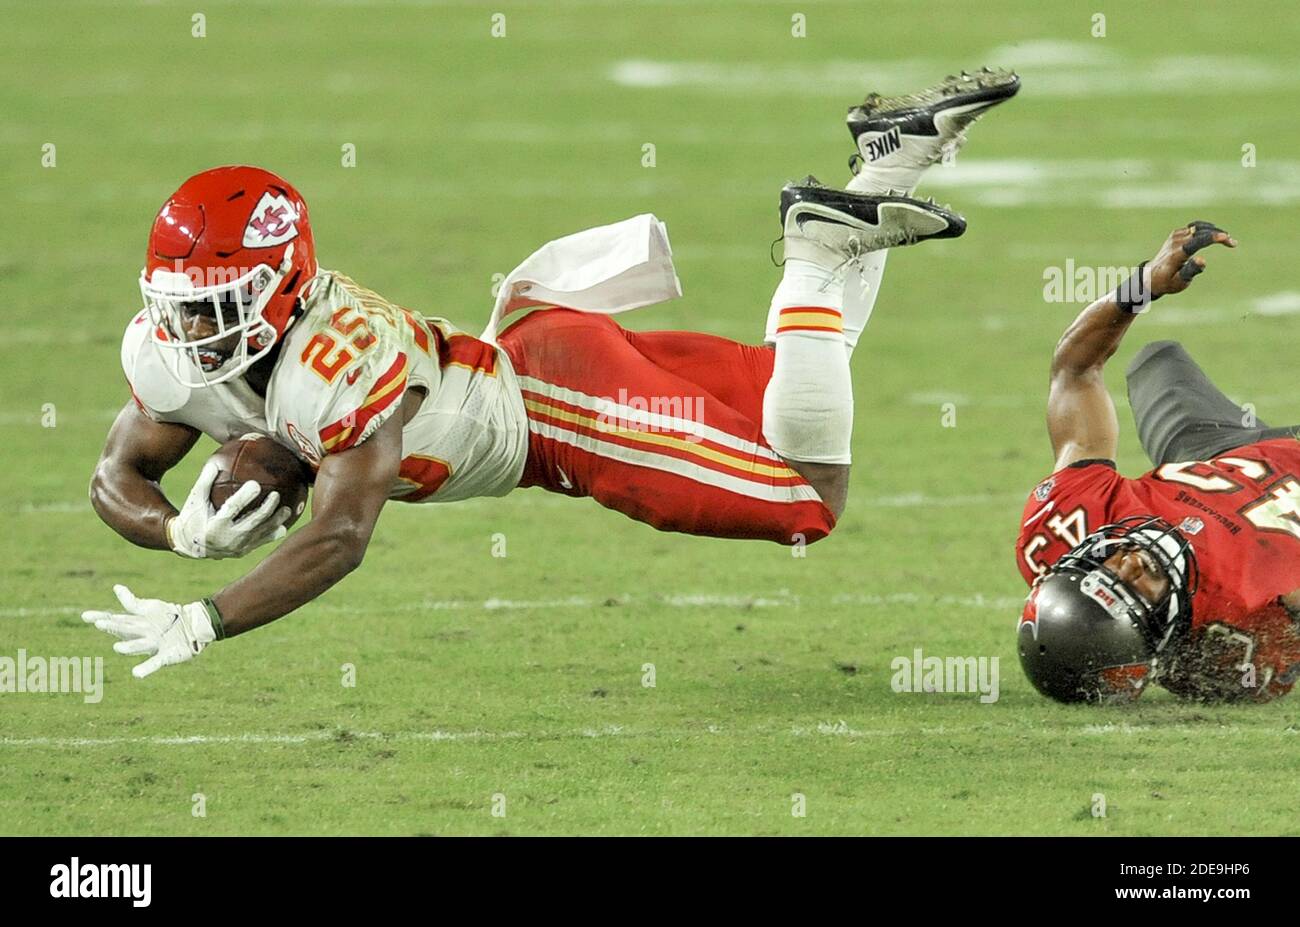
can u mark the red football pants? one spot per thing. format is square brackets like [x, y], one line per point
[665, 427]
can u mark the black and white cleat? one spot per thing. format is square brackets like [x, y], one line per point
[825, 224]
[919, 129]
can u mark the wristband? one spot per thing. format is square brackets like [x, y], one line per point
[169, 527]
[1134, 295]
[214, 615]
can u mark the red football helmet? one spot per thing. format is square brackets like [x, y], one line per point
[238, 240]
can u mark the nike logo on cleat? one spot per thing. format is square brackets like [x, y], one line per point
[884, 146]
[564, 478]
[804, 218]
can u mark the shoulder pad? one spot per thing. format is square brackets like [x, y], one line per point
[152, 385]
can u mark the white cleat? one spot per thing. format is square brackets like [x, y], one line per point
[833, 227]
[911, 132]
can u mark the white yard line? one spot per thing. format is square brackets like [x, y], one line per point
[63, 416]
[937, 398]
[910, 500]
[1116, 184]
[977, 600]
[1051, 70]
[913, 499]
[996, 184]
[1286, 302]
[189, 740]
[58, 508]
[778, 599]
[839, 729]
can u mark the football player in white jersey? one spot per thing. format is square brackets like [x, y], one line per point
[243, 332]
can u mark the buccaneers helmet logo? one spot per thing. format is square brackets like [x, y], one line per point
[1030, 614]
[273, 222]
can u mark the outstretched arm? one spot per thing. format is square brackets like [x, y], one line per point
[350, 491]
[1081, 416]
[351, 488]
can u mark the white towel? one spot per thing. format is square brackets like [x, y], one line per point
[607, 269]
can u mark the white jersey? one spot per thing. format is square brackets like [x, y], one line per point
[343, 369]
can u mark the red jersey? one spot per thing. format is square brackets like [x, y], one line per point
[1241, 514]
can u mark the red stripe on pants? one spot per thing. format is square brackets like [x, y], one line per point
[723, 382]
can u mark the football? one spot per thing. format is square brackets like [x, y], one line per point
[271, 464]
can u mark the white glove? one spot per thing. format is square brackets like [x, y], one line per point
[199, 531]
[168, 633]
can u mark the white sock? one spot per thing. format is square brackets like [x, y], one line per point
[861, 287]
[808, 404]
[860, 291]
[805, 283]
[902, 180]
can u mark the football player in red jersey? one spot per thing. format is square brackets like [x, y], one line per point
[1189, 575]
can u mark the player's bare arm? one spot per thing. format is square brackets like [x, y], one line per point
[1081, 418]
[125, 490]
[126, 493]
[350, 491]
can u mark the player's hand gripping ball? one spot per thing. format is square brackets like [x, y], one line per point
[266, 462]
[236, 504]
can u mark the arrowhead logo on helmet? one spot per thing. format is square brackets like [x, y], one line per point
[273, 222]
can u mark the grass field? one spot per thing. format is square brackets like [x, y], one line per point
[481, 676]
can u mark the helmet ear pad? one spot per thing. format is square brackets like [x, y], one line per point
[1073, 650]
